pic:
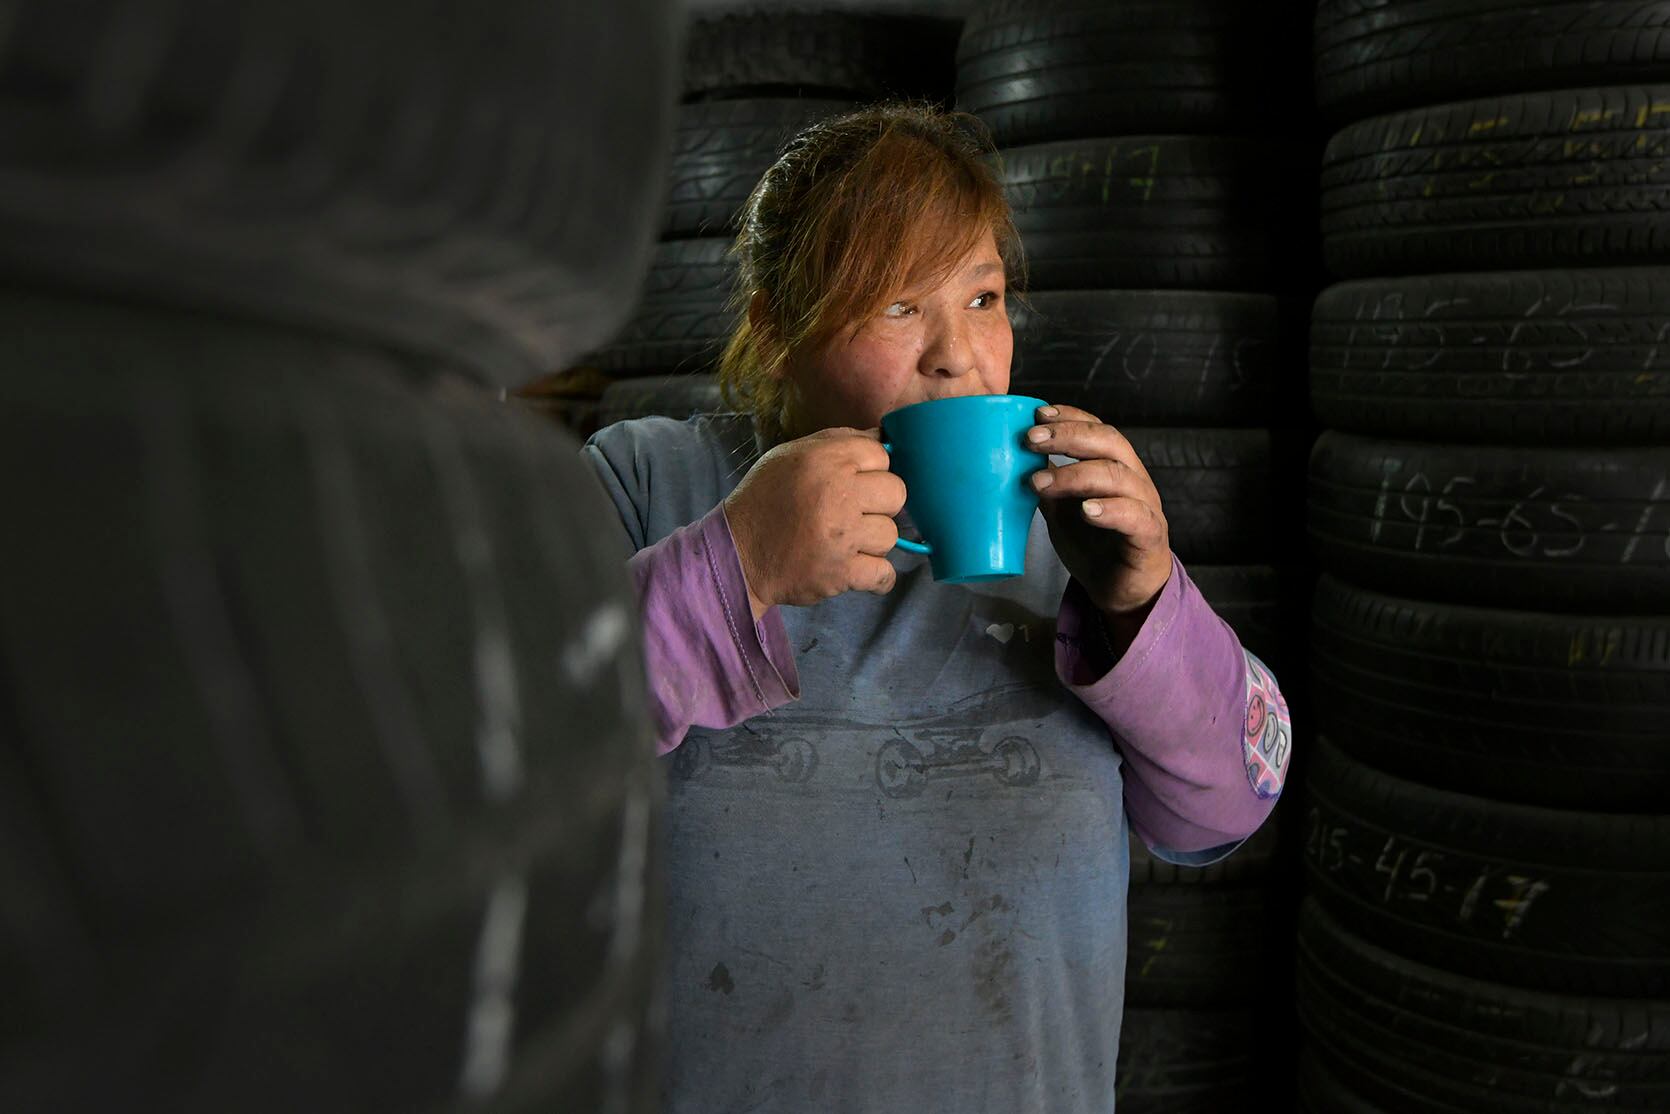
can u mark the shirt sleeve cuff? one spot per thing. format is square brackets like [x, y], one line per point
[764, 645]
[1084, 658]
[707, 662]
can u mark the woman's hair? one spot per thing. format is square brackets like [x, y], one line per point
[857, 209]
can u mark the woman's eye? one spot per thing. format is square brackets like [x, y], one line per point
[985, 301]
[899, 309]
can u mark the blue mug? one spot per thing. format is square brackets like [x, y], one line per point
[966, 470]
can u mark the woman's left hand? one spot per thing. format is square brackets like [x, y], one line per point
[1103, 512]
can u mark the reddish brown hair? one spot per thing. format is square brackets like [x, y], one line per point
[856, 210]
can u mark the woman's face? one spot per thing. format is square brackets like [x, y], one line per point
[950, 340]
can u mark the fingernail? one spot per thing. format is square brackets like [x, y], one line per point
[1041, 480]
[1092, 508]
[1048, 411]
[1038, 435]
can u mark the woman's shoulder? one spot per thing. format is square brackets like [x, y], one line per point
[658, 435]
[723, 440]
[677, 470]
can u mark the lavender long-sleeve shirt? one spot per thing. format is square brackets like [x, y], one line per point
[903, 887]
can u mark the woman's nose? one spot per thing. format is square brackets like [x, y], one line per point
[948, 355]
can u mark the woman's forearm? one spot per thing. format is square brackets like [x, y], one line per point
[1204, 730]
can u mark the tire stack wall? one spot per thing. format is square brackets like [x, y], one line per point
[326, 781]
[1487, 839]
[1136, 142]
[752, 81]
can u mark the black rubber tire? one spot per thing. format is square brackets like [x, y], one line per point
[1150, 357]
[1198, 946]
[1543, 529]
[1214, 487]
[304, 668]
[1563, 711]
[368, 170]
[671, 396]
[1567, 901]
[849, 55]
[683, 317]
[1379, 57]
[1321, 1092]
[1143, 213]
[1188, 1062]
[1571, 178]
[1036, 72]
[1413, 1038]
[1251, 862]
[720, 151]
[1536, 357]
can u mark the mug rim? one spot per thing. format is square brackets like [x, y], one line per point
[970, 399]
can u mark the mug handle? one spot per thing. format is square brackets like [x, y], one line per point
[905, 543]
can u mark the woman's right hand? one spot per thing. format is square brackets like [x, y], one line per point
[814, 518]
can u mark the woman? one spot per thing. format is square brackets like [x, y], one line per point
[898, 809]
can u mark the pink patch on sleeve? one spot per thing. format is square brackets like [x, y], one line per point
[1267, 737]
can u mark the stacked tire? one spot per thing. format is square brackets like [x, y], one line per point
[752, 81]
[1487, 835]
[1156, 260]
[325, 777]
[1135, 142]
[1197, 972]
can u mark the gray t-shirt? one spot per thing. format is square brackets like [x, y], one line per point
[906, 891]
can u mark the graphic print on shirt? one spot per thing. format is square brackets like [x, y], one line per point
[1268, 738]
[973, 736]
[762, 745]
[986, 735]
